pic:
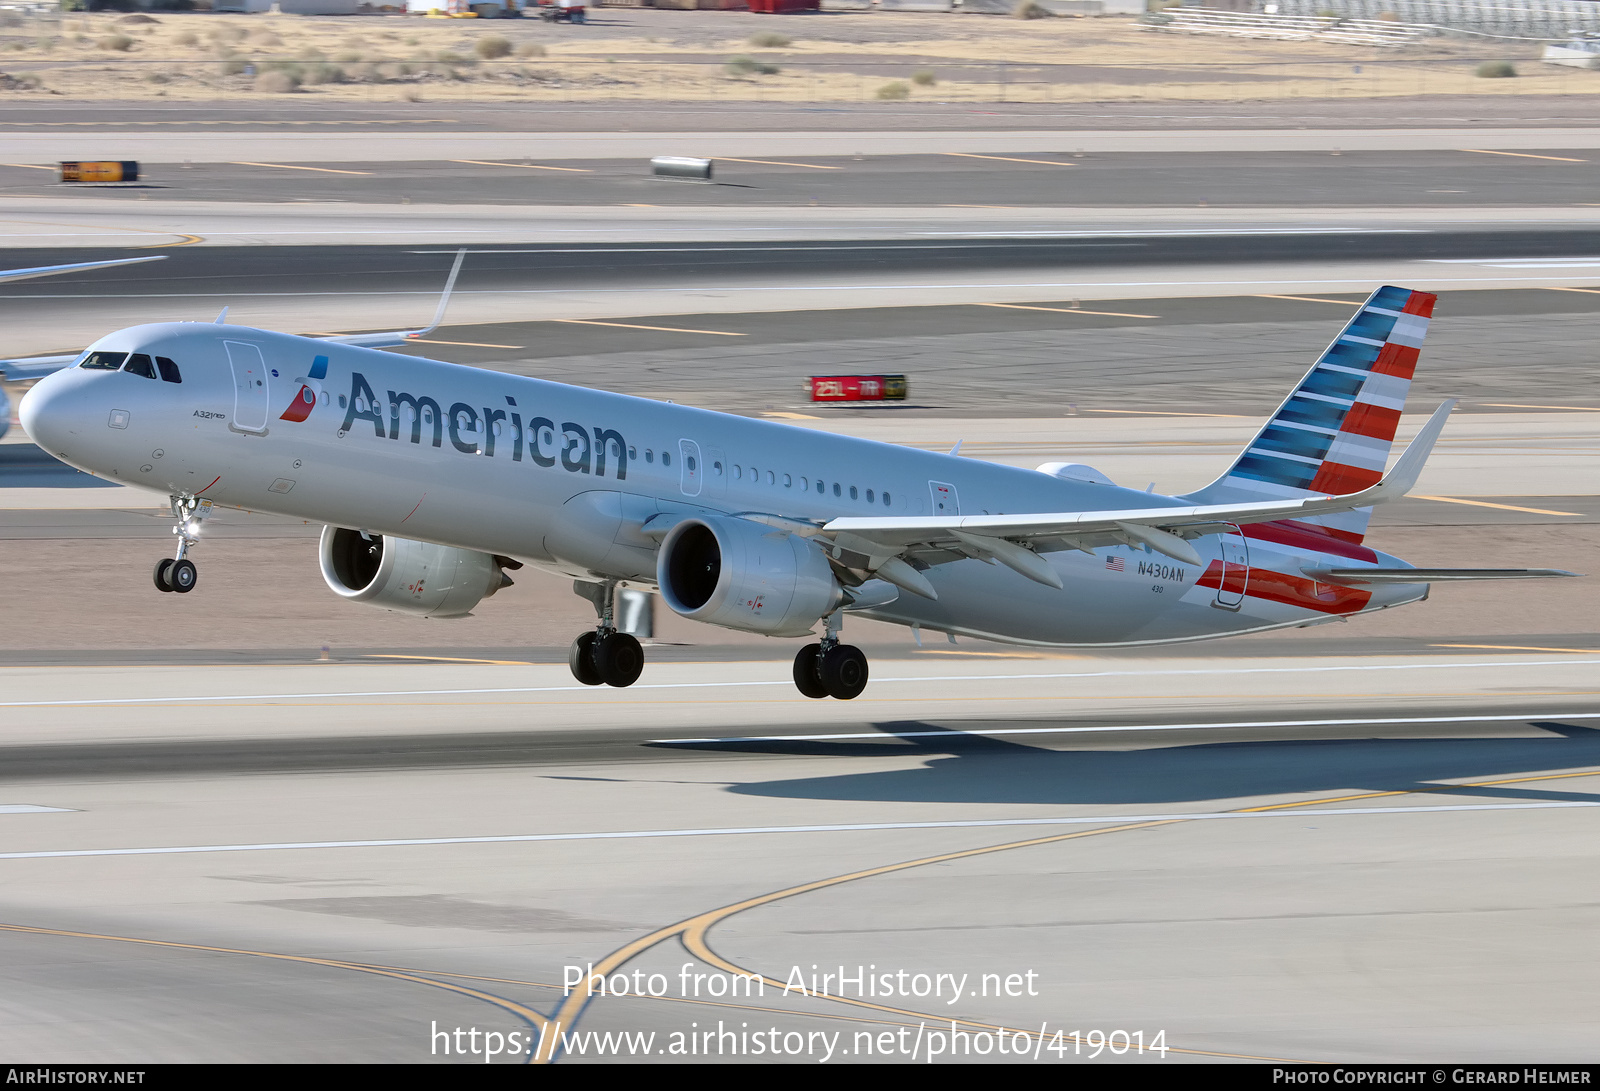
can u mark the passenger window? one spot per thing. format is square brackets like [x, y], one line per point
[788, 482]
[836, 488]
[103, 361]
[649, 454]
[853, 494]
[140, 364]
[169, 370]
[666, 458]
[885, 499]
[870, 497]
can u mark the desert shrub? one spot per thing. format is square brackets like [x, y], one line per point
[412, 94]
[530, 49]
[10, 19]
[323, 73]
[188, 39]
[348, 58]
[276, 82]
[1496, 70]
[116, 43]
[925, 77]
[1031, 9]
[447, 57]
[135, 21]
[748, 66]
[157, 77]
[768, 39]
[232, 66]
[899, 89]
[492, 47]
[367, 73]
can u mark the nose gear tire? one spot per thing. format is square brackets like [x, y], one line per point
[183, 576]
[162, 573]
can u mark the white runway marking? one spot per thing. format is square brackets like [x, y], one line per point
[921, 680]
[1390, 721]
[852, 827]
[30, 808]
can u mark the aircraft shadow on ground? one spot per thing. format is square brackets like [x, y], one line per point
[965, 768]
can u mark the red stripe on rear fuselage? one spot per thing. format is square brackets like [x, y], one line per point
[1324, 598]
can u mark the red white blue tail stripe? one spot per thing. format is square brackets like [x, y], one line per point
[1333, 433]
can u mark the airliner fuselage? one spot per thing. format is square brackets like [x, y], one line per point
[579, 481]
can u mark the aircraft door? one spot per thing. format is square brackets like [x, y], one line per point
[1235, 570]
[945, 500]
[716, 472]
[251, 396]
[690, 472]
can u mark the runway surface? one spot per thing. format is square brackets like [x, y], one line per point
[398, 145]
[1063, 174]
[1500, 351]
[338, 877]
[303, 113]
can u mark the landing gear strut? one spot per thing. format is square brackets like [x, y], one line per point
[604, 656]
[179, 573]
[829, 668]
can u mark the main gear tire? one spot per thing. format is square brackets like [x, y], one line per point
[580, 657]
[808, 672]
[844, 672]
[618, 659]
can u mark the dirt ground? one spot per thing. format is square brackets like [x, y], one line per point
[671, 56]
[267, 593]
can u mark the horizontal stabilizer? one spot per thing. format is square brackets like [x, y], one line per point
[1356, 577]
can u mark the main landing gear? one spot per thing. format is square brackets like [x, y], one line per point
[179, 573]
[605, 656]
[829, 668]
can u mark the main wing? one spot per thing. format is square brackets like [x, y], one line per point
[888, 546]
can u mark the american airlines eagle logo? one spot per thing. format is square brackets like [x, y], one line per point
[305, 399]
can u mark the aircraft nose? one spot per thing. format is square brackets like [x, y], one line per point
[46, 414]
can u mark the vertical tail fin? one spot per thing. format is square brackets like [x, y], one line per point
[1333, 432]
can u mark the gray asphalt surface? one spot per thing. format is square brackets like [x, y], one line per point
[1228, 355]
[1431, 179]
[306, 113]
[344, 904]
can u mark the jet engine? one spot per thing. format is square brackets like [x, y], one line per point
[745, 575]
[408, 577]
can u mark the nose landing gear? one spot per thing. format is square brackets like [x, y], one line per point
[829, 668]
[179, 573]
[605, 656]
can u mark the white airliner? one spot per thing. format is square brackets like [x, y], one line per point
[433, 479]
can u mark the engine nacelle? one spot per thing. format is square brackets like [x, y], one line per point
[745, 575]
[408, 577]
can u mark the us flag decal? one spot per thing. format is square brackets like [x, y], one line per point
[1116, 564]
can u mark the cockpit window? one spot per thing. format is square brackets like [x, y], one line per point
[103, 361]
[169, 370]
[140, 364]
